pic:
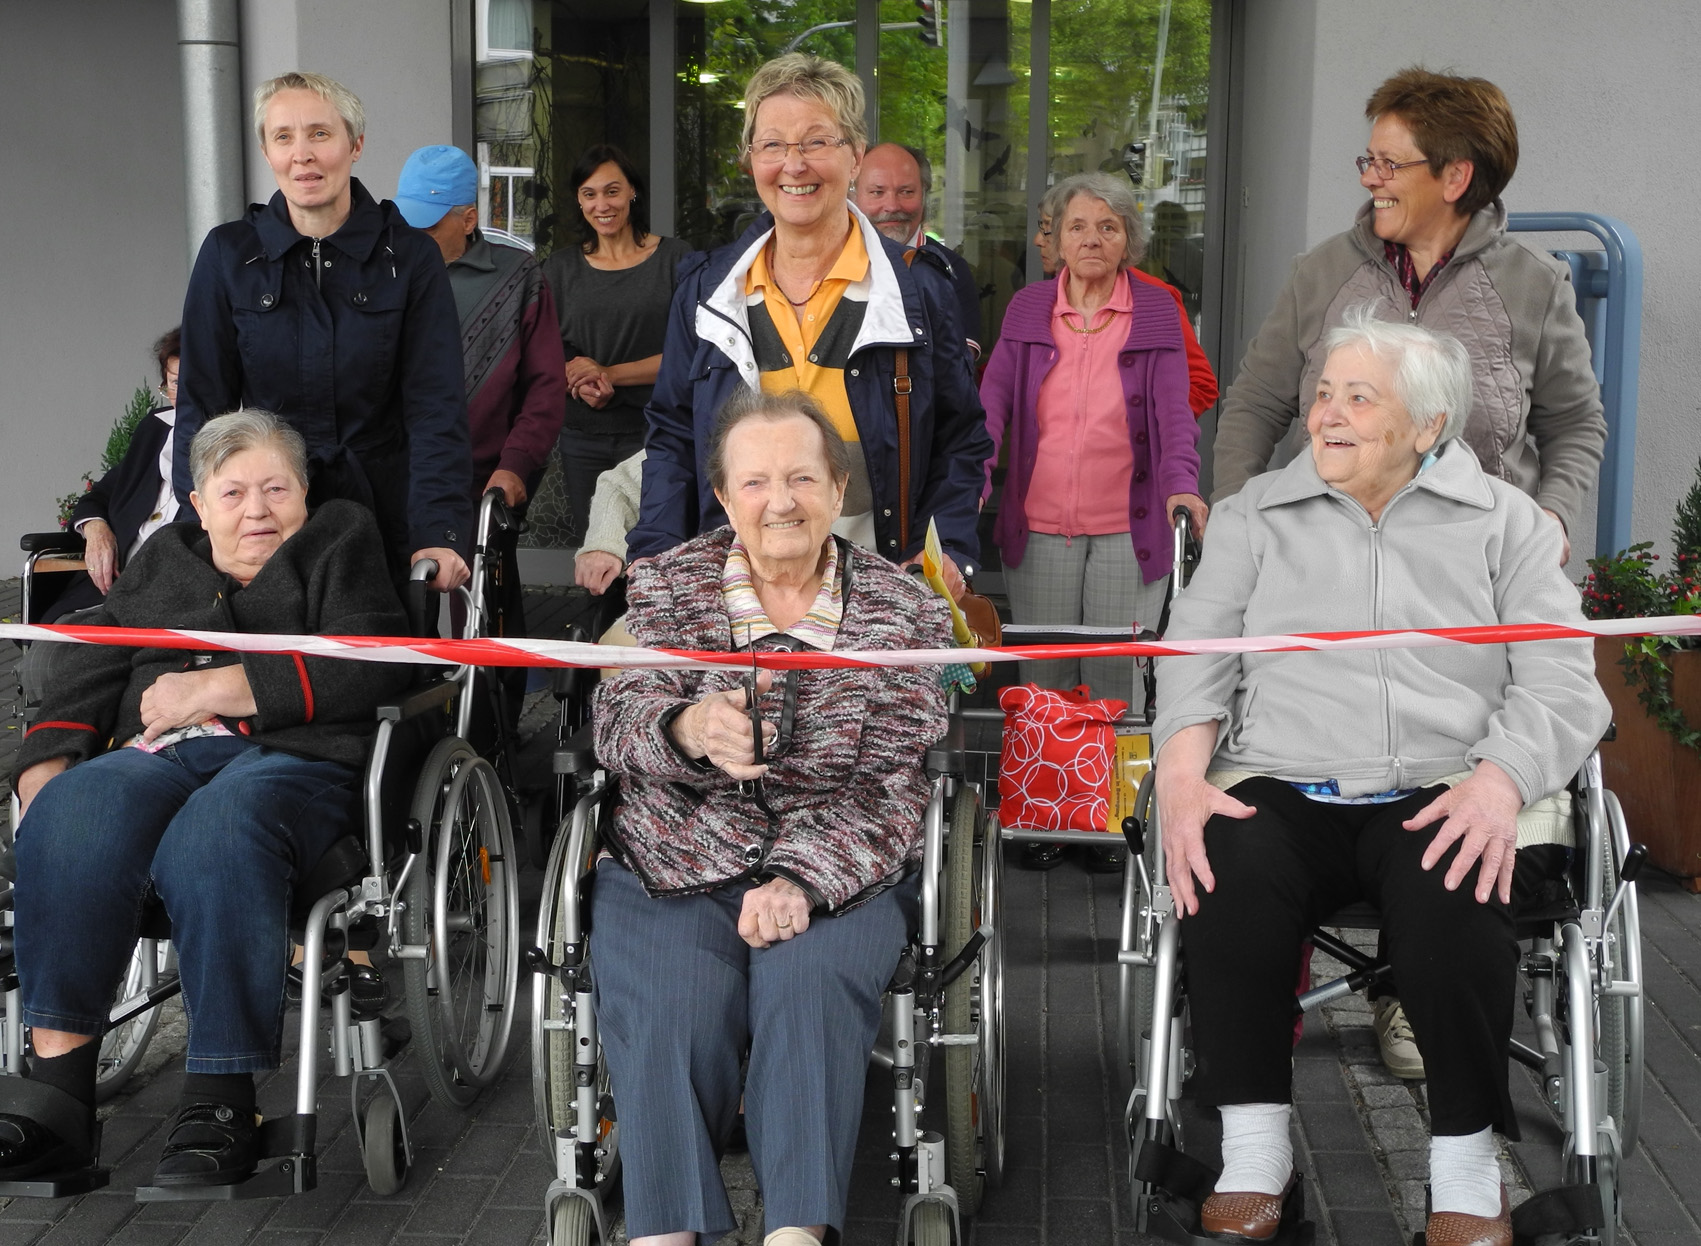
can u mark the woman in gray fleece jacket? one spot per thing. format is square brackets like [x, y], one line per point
[1432, 242]
[1292, 784]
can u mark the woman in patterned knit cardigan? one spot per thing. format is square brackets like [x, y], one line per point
[758, 906]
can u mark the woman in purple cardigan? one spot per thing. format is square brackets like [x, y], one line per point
[1089, 383]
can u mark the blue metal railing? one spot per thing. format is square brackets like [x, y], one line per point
[1609, 298]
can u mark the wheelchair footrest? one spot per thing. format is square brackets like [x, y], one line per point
[1178, 1184]
[1557, 1215]
[65, 1185]
[295, 1174]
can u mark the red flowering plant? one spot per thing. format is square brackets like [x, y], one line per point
[1627, 585]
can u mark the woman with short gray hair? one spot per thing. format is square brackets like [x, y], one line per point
[1293, 784]
[1089, 385]
[217, 779]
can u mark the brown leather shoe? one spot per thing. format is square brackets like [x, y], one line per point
[1455, 1228]
[1245, 1217]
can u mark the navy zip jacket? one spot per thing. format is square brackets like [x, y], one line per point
[361, 355]
[708, 353]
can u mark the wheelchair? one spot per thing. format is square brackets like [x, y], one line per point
[1582, 980]
[944, 1016]
[431, 880]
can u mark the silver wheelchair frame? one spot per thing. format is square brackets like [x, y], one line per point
[946, 997]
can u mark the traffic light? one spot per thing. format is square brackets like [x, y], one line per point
[931, 33]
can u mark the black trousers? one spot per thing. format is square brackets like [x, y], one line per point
[584, 457]
[1281, 873]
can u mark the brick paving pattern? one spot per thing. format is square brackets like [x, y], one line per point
[1360, 1134]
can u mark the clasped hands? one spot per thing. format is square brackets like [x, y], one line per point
[1480, 814]
[587, 380]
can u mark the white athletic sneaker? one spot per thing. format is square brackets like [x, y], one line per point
[1400, 1054]
[791, 1237]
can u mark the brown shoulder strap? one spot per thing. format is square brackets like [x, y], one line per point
[901, 399]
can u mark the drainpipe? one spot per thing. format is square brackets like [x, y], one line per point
[213, 114]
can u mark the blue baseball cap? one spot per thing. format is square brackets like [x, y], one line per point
[434, 180]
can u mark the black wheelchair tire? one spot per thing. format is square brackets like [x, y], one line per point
[458, 1065]
[382, 1151]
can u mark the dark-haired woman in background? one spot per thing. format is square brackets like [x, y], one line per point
[612, 291]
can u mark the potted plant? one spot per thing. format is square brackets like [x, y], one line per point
[141, 403]
[1654, 764]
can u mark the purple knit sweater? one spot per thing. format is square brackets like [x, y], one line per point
[850, 792]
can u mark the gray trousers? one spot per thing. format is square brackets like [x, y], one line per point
[679, 999]
[1091, 580]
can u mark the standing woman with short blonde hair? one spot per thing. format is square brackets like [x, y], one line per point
[814, 298]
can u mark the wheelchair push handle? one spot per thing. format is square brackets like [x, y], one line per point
[423, 570]
[1634, 860]
[495, 515]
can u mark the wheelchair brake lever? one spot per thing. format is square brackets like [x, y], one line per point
[963, 959]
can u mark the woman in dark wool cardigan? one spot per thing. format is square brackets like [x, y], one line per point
[218, 777]
[753, 903]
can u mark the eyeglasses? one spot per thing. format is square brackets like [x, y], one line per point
[1385, 168]
[772, 151]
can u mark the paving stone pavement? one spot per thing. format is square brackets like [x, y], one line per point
[1360, 1134]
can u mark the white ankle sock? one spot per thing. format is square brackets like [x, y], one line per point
[1464, 1175]
[1257, 1148]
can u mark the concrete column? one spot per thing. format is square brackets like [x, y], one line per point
[209, 51]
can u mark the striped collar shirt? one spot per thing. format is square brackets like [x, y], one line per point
[750, 622]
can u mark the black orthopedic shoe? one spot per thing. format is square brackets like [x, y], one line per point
[43, 1131]
[1041, 856]
[210, 1144]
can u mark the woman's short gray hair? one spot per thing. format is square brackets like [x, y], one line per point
[1117, 195]
[813, 78]
[334, 93]
[247, 428]
[748, 404]
[1432, 371]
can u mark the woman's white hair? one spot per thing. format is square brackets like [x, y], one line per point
[1115, 193]
[1432, 371]
[247, 428]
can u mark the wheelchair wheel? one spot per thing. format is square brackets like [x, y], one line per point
[462, 902]
[1622, 1016]
[382, 1150]
[1137, 982]
[931, 1224]
[123, 1046]
[974, 1004]
[572, 1224]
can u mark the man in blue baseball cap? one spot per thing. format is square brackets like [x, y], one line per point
[516, 374]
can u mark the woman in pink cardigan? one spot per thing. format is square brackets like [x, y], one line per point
[1089, 384]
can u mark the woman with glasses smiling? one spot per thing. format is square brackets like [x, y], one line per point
[814, 298]
[1431, 242]
[757, 893]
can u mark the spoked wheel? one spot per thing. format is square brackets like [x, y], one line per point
[1622, 1032]
[557, 1029]
[572, 1223]
[123, 1046]
[974, 1004]
[383, 1150]
[931, 1224]
[462, 902]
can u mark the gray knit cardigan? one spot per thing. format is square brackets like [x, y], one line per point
[850, 792]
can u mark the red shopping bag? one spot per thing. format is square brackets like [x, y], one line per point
[1057, 759]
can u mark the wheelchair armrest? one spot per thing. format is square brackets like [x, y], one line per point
[436, 695]
[578, 755]
[66, 542]
[950, 755]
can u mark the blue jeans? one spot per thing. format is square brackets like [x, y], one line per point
[223, 828]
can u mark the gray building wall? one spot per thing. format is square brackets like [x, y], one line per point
[94, 269]
[1605, 95]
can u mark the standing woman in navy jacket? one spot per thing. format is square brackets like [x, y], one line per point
[814, 298]
[328, 309]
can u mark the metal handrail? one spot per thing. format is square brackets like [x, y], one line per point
[1616, 358]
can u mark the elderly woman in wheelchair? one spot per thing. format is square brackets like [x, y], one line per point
[1292, 784]
[757, 891]
[215, 779]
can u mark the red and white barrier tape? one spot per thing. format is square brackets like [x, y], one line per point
[573, 653]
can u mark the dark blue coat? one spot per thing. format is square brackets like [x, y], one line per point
[949, 444]
[362, 357]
